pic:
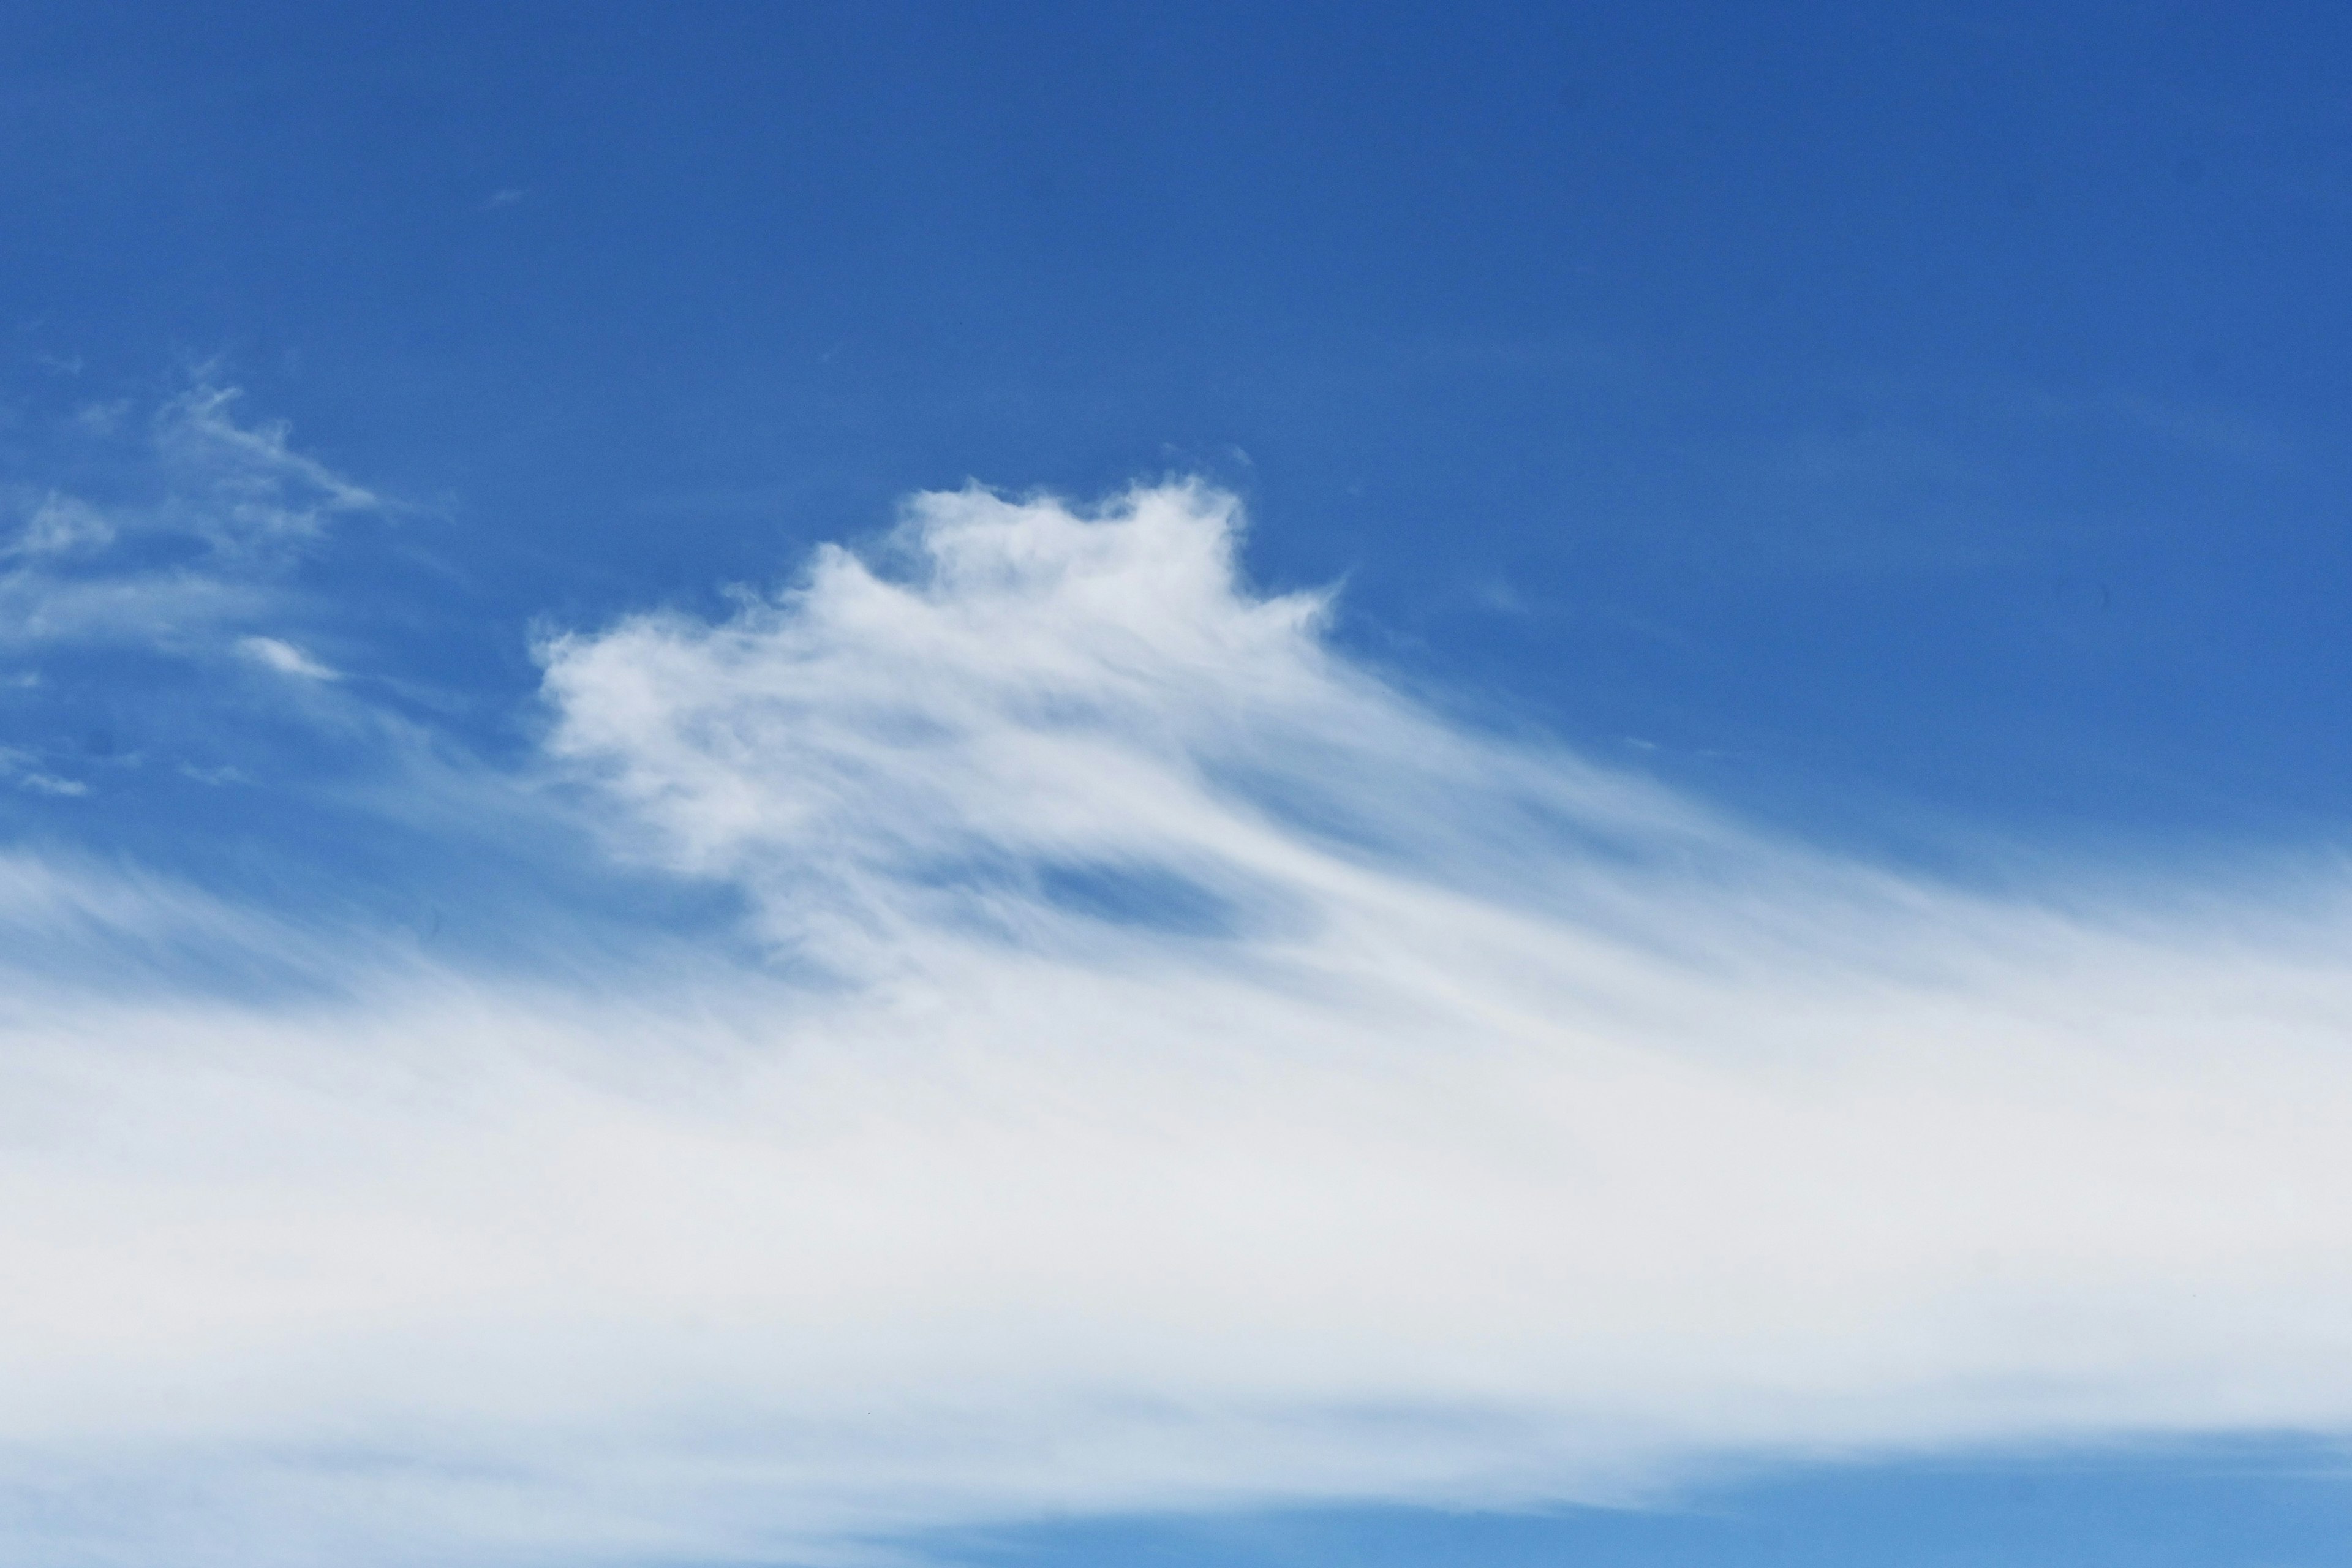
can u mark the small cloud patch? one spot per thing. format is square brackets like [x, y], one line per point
[20, 768]
[285, 658]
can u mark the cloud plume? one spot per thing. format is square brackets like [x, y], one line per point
[1171, 1067]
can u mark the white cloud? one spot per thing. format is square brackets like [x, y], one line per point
[61, 525]
[173, 610]
[190, 525]
[21, 768]
[284, 657]
[242, 487]
[1187, 1072]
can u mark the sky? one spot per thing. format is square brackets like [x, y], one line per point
[1196, 784]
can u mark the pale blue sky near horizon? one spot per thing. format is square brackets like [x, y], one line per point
[1924, 429]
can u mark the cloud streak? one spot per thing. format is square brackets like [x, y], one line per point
[1172, 1068]
[191, 523]
[174, 538]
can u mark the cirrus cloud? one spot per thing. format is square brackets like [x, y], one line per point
[1174, 1067]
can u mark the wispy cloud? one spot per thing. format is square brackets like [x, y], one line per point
[242, 486]
[1176, 1069]
[177, 610]
[177, 538]
[60, 525]
[284, 659]
[174, 527]
[22, 769]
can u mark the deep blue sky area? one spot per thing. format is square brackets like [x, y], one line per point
[1914, 424]
[1936, 405]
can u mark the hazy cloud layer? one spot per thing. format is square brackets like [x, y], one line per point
[1176, 1069]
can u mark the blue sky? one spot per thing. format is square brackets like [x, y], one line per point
[1198, 783]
